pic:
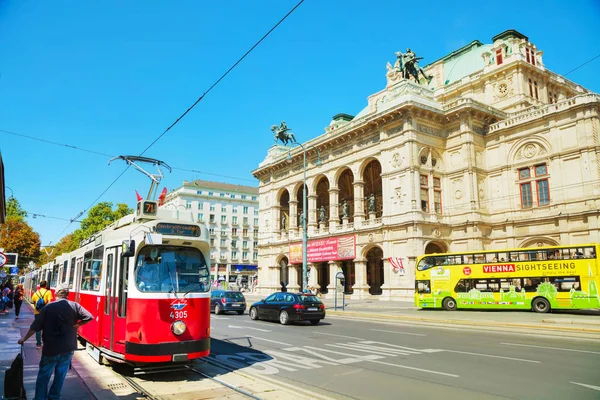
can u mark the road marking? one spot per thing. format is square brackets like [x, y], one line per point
[364, 350]
[587, 386]
[401, 333]
[491, 356]
[551, 348]
[269, 340]
[247, 327]
[414, 368]
[219, 318]
[331, 334]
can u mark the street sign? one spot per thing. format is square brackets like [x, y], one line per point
[3, 259]
[14, 270]
[2, 274]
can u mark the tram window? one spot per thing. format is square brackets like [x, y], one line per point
[171, 269]
[86, 273]
[72, 273]
[123, 281]
[96, 274]
[63, 276]
[108, 288]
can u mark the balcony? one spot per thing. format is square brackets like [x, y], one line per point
[223, 257]
[234, 222]
[223, 234]
[212, 234]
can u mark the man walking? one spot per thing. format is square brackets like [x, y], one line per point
[59, 321]
[45, 296]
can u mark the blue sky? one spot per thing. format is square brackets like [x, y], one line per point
[110, 76]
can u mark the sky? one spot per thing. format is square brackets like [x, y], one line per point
[110, 76]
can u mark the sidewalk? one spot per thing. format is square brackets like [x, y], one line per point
[575, 321]
[11, 330]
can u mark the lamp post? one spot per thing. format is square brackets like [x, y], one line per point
[12, 194]
[304, 209]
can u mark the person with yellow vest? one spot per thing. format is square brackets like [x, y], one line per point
[40, 298]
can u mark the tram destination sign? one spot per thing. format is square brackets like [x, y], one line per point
[178, 229]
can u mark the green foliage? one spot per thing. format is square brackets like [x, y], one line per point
[98, 218]
[14, 209]
[16, 236]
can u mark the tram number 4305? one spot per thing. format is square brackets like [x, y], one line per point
[178, 314]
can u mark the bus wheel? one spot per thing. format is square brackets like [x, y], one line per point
[540, 305]
[449, 304]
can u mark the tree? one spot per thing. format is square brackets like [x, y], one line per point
[98, 218]
[14, 209]
[16, 236]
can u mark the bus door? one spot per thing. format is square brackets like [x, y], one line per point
[109, 295]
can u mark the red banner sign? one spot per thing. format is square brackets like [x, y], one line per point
[329, 249]
[499, 268]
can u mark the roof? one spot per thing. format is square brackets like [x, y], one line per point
[222, 186]
[465, 61]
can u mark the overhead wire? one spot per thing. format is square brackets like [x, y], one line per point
[110, 156]
[190, 108]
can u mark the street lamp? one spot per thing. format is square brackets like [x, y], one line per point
[12, 193]
[304, 209]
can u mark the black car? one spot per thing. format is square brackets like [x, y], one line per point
[288, 307]
[227, 300]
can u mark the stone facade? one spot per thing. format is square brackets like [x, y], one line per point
[495, 152]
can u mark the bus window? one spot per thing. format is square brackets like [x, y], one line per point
[531, 284]
[565, 284]
[493, 285]
[468, 258]
[463, 286]
[426, 263]
[423, 287]
[590, 252]
[481, 285]
[502, 256]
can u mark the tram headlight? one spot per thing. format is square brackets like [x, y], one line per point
[178, 327]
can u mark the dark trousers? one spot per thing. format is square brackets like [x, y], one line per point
[18, 304]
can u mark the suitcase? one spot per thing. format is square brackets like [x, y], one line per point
[13, 380]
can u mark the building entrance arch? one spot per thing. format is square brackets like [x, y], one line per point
[284, 270]
[349, 277]
[434, 247]
[375, 270]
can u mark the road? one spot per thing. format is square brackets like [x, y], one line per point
[348, 358]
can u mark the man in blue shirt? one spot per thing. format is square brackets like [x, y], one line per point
[58, 322]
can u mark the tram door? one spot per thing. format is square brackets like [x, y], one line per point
[110, 298]
[77, 278]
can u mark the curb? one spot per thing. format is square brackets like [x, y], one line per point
[464, 322]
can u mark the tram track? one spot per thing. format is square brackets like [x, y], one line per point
[145, 389]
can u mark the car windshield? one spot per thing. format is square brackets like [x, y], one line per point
[310, 299]
[168, 269]
[234, 295]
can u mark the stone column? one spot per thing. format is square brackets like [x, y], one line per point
[294, 285]
[334, 268]
[313, 279]
[277, 218]
[293, 223]
[334, 216]
[312, 213]
[361, 288]
[387, 280]
[359, 202]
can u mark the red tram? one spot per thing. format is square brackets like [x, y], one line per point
[146, 280]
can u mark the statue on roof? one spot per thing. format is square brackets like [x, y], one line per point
[281, 133]
[408, 65]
